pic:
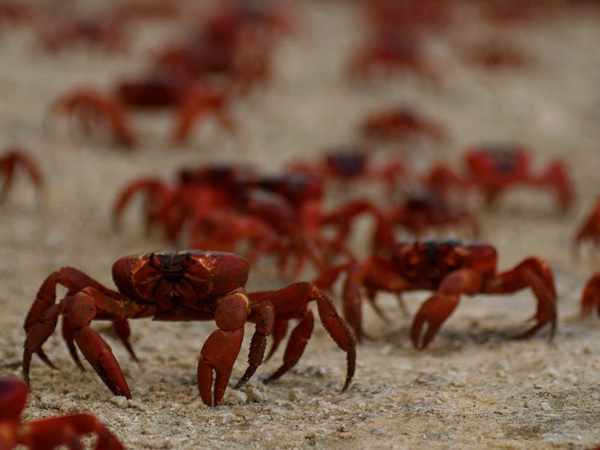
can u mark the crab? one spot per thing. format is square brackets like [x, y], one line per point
[423, 209]
[63, 431]
[159, 90]
[69, 31]
[390, 53]
[401, 123]
[411, 15]
[449, 269]
[351, 163]
[499, 54]
[180, 286]
[492, 169]
[234, 43]
[13, 160]
[589, 230]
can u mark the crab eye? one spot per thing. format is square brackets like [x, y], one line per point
[188, 257]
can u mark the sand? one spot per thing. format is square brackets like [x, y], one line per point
[475, 387]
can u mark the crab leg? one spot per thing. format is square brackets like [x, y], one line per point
[196, 106]
[10, 162]
[557, 177]
[81, 310]
[222, 347]
[375, 271]
[263, 316]
[96, 105]
[590, 299]
[43, 316]
[292, 303]
[536, 274]
[437, 308]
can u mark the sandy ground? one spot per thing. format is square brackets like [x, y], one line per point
[474, 388]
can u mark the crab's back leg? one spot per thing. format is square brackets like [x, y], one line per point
[437, 308]
[291, 303]
[536, 274]
[222, 347]
[66, 430]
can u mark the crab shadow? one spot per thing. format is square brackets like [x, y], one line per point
[452, 340]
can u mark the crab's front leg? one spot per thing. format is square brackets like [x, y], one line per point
[222, 347]
[437, 308]
[536, 274]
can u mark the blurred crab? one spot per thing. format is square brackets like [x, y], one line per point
[423, 210]
[401, 123]
[411, 15]
[13, 160]
[71, 30]
[352, 163]
[389, 53]
[63, 431]
[449, 269]
[181, 286]
[492, 169]
[160, 90]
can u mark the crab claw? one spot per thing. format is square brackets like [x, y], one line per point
[433, 314]
[222, 348]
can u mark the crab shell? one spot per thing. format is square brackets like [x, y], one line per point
[179, 276]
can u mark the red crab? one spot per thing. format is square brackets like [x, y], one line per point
[45, 433]
[590, 228]
[401, 123]
[408, 14]
[180, 286]
[498, 53]
[297, 231]
[70, 31]
[234, 43]
[423, 209]
[158, 91]
[449, 269]
[15, 13]
[198, 192]
[13, 160]
[352, 163]
[492, 169]
[389, 53]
